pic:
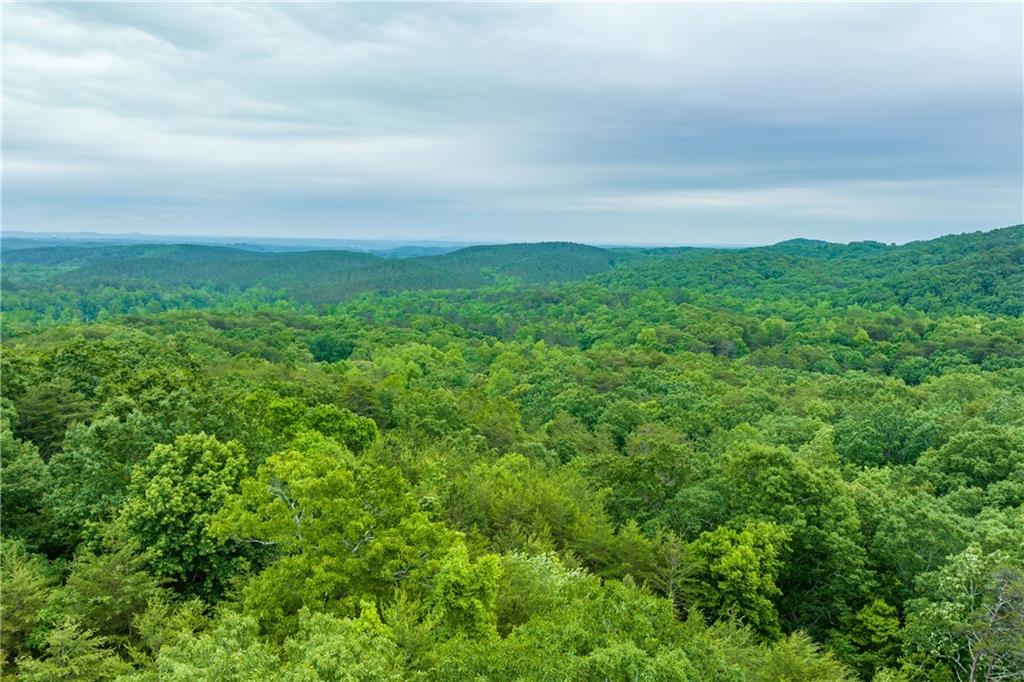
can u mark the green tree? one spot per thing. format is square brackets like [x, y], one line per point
[92, 472]
[823, 573]
[171, 500]
[971, 616]
[355, 432]
[330, 346]
[45, 412]
[27, 582]
[231, 652]
[106, 592]
[738, 573]
[342, 530]
[72, 653]
[463, 598]
[26, 480]
[870, 640]
[797, 658]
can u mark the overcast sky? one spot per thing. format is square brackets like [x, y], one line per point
[692, 123]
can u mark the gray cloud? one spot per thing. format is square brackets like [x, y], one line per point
[656, 123]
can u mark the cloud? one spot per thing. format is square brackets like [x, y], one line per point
[830, 200]
[652, 122]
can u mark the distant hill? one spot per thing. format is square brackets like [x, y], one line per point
[813, 248]
[17, 239]
[981, 271]
[312, 276]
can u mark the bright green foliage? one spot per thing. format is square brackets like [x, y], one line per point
[796, 462]
[164, 623]
[343, 530]
[25, 580]
[173, 496]
[981, 456]
[797, 659]
[356, 432]
[738, 573]
[594, 634]
[324, 648]
[72, 653]
[519, 505]
[497, 420]
[342, 649]
[531, 586]
[881, 433]
[432, 412]
[464, 596]
[26, 479]
[232, 652]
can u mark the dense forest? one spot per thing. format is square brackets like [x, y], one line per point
[524, 462]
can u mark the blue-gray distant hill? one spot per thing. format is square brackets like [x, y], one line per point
[976, 272]
[312, 276]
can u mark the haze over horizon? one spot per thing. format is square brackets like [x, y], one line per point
[509, 123]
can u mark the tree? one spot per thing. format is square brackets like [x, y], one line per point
[355, 432]
[72, 653]
[971, 616]
[870, 640]
[620, 419]
[738, 573]
[324, 648]
[979, 455]
[173, 495]
[519, 505]
[344, 649]
[823, 572]
[797, 658]
[46, 411]
[27, 582]
[92, 472]
[231, 652]
[106, 592]
[342, 531]
[26, 480]
[331, 346]
[531, 586]
[463, 598]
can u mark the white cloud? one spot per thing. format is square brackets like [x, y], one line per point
[846, 201]
[512, 110]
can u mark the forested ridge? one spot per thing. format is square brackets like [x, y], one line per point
[522, 462]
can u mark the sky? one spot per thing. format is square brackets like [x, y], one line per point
[641, 123]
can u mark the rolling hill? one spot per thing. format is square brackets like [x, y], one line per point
[310, 276]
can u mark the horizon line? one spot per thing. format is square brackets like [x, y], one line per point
[443, 240]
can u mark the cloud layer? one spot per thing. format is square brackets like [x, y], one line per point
[739, 123]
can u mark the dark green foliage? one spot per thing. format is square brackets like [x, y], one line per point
[107, 592]
[46, 411]
[330, 346]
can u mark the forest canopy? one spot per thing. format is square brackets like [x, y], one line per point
[525, 462]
